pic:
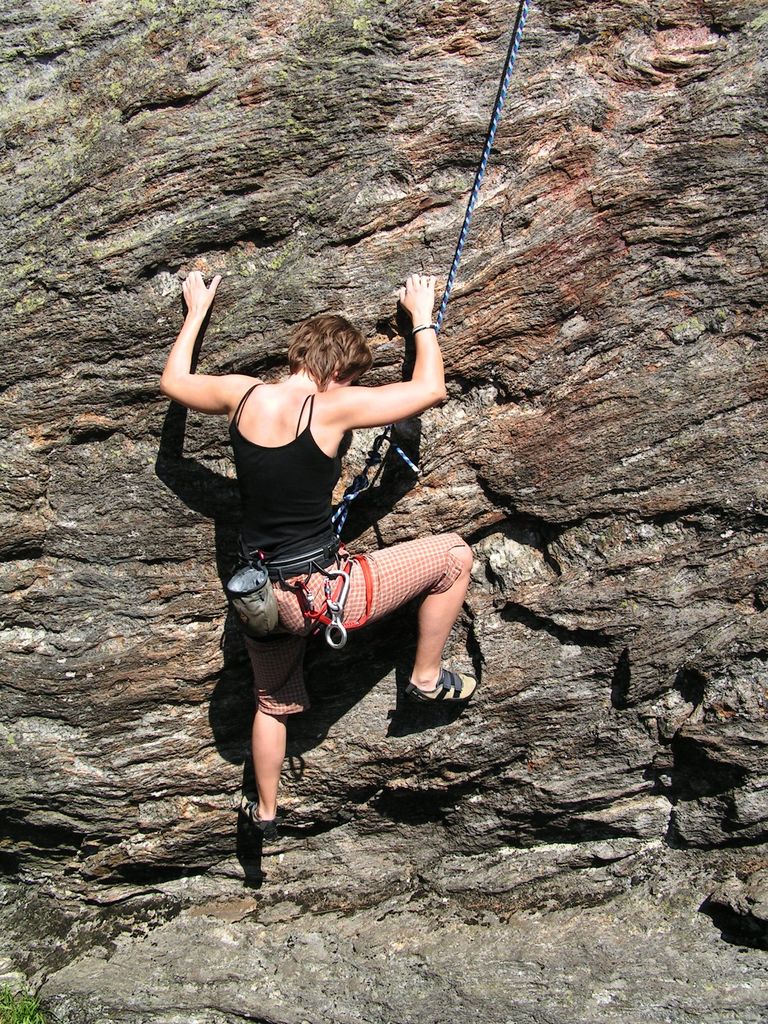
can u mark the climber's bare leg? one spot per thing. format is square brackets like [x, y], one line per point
[268, 746]
[437, 614]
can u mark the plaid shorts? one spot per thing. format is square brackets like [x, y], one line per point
[400, 573]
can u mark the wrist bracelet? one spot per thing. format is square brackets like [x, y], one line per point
[423, 327]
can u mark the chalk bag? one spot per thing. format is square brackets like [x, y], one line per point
[251, 595]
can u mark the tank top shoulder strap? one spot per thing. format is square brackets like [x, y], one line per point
[311, 400]
[241, 403]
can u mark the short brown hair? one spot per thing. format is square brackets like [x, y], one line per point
[328, 347]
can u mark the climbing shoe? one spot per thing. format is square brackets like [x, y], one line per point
[268, 827]
[451, 687]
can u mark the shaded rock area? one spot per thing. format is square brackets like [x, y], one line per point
[587, 840]
[742, 906]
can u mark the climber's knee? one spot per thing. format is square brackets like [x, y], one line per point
[462, 554]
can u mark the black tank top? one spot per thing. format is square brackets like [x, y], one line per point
[285, 490]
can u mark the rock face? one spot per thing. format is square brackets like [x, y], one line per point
[543, 855]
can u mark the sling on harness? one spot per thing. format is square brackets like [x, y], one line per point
[363, 480]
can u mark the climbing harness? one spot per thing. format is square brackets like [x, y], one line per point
[251, 594]
[336, 590]
[363, 480]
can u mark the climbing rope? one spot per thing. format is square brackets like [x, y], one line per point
[363, 480]
[514, 46]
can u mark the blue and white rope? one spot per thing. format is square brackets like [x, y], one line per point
[362, 481]
[514, 46]
[375, 458]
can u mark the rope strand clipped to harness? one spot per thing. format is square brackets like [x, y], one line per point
[363, 480]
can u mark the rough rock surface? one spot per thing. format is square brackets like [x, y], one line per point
[573, 845]
[742, 904]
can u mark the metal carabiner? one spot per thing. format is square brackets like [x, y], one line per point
[335, 631]
[337, 605]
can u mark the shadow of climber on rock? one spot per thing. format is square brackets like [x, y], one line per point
[213, 496]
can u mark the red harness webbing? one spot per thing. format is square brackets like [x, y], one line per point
[320, 616]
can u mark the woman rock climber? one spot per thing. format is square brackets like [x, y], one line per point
[285, 437]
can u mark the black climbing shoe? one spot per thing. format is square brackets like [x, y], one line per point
[268, 827]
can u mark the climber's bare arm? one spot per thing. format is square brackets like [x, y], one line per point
[200, 391]
[373, 407]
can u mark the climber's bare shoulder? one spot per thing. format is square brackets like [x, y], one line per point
[209, 393]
